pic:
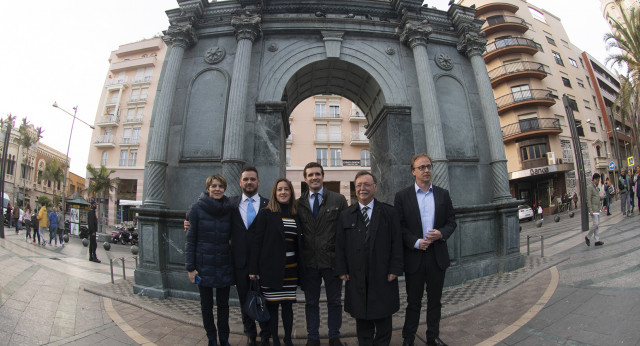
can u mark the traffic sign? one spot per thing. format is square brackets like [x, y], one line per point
[630, 161]
[612, 166]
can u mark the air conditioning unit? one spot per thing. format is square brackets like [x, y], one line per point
[551, 158]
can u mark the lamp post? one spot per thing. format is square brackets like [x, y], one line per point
[66, 163]
[582, 183]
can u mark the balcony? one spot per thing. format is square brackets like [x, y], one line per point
[511, 45]
[128, 64]
[359, 139]
[137, 101]
[504, 23]
[141, 80]
[525, 98]
[517, 70]
[114, 83]
[531, 128]
[132, 120]
[105, 141]
[496, 6]
[355, 115]
[603, 162]
[110, 120]
[128, 141]
[328, 140]
[328, 117]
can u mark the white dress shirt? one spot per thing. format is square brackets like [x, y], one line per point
[427, 206]
[244, 203]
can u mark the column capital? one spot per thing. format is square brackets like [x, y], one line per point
[471, 44]
[247, 27]
[416, 33]
[182, 35]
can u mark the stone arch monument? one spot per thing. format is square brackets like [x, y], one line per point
[236, 69]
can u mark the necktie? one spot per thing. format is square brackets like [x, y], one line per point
[365, 217]
[316, 205]
[251, 212]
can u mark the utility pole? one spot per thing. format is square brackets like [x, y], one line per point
[577, 149]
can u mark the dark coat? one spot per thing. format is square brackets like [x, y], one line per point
[207, 247]
[368, 293]
[320, 234]
[268, 250]
[240, 240]
[92, 221]
[406, 205]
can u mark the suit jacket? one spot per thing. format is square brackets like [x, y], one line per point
[406, 205]
[368, 294]
[240, 240]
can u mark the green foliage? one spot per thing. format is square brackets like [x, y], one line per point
[100, 182]
[626, 37]
[44, 200]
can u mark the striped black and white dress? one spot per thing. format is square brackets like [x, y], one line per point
[290, 284]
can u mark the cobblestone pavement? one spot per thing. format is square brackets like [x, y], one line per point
[574, 295]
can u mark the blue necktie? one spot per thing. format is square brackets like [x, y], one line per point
[316, 205]
[251, 212]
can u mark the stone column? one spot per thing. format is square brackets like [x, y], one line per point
[472, 45]
[269, 143]
[179, 38]
[247, 30]
[416, 36]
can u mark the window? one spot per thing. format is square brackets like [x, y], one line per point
[598, 154]
[601, 125]
[566, 82]
[321, 132]
[580, 82]
[148, 73]
[365, 158]
[288, 157]
[133, 155]
[573, 62]
[593, 128]
[573, 104]
[321, 110]
[521, 92]
[532, 152]
[126, 136]
[322, 157]
[579, 128]
[143, 93]
[139, 112]
[334, 111]
[114, 97]
[595, 103]
[560, 120]
[581, 62]
[587, 105]
[135, 94]
[105, 156]
[11, 164]
[336, 157]
[537, 15]
[135, 135]
[558, 58]
[123, 157]
[589, 81]
[335, 132]
[139, 75]
[550, 40]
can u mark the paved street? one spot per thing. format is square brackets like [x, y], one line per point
[575, 295]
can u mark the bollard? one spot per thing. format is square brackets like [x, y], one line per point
[123, 274]
[528, 239]
[541, 246]
[136, 257]
[111, 265]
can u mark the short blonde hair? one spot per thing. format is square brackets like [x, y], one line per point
[217, 177]
[417, 156]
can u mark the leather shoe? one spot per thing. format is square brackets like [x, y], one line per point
[435, 342]
[586, 240]
[335, 342]
[313, 342]
[251, 341]
[598, 243]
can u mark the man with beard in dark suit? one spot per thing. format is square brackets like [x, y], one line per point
[427, 220]
[245, 209]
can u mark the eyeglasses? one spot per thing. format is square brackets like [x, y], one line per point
[365, 185]
[424, 167]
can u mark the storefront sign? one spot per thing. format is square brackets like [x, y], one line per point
[351, 162]
[536, 171]
[563, 167]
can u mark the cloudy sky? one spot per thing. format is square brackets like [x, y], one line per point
[58, 51]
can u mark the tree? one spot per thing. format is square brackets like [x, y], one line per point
[101, 183]
[626, 38]
[625, 106]
[26, 141]
[44, 200]
[53, 172]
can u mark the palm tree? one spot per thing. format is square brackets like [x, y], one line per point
[625, 105]
[101, 183]
[626, 38]
[27, 139]
[54, 173]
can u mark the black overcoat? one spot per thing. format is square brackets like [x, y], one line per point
[268, 249]
[377, 298]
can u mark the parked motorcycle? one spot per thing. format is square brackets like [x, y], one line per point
[128, 235]
[115, 235]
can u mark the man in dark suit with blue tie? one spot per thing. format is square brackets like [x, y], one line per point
[427, 220]
[245, 209]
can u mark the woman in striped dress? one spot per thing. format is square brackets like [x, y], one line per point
[276, 256]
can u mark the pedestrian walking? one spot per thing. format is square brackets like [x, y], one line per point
[53, 227]
[43, 223]
[8, 214]
[27, 222]
[36, 227]
[623, 189]
[61, 229]
[540, 210]
[611, 191]
[593, 206]
[92, 221]
[14, 217]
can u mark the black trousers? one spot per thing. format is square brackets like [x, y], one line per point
[365, 330]
[206, 305]
[428, 273]
[287, 321]
[93, 245]
[242, 286]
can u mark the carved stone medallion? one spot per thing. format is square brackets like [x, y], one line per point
[444, 61]
[273, 47]
[214, 55]
[390, 51]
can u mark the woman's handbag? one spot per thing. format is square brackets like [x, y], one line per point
[256, 306]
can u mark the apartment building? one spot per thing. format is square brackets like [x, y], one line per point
[122, 121]
[75, 185]
[613, 9]
[328, 129]
[532, 63]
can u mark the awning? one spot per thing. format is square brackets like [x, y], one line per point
[79, 201]
[130, 202]
[563, 167]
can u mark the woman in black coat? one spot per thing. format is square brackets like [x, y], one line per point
[276, 256]
[208, 255]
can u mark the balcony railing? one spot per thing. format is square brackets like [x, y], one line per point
[108, 120]
[500, 22]
[530, 96]
[116, 81]
[510, 42]
[105, 140]
[138, 80]
[138, 100]
[136, 119]
[520, 69]
[495, 6]
[529, 125]
[358, 138]
[129, 141]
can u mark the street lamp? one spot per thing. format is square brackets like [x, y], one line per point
[66, 163]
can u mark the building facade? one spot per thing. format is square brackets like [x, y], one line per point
[532, 63]
[24, 181]
[613, 9]
[75, 185]
[330, 130]
[122, 121]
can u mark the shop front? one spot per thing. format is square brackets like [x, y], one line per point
[542, 185]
